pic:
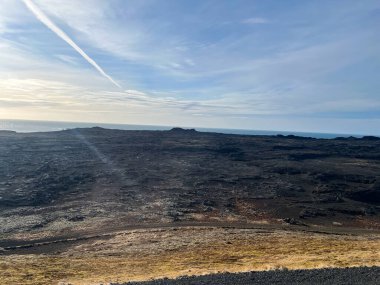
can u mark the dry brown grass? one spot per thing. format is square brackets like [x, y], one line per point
[146, 254]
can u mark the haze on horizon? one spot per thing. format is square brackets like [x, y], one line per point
[290, 65]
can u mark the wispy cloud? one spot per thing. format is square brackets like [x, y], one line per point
[41, 16]
[256, 20]
[245, 65]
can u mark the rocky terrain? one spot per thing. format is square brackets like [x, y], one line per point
[133, 205]
[59, 180]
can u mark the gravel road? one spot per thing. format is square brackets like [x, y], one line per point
[359, 275]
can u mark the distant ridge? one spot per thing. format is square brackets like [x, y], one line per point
[7, 132]
[368, 138]
[181, 130]
[28, 126]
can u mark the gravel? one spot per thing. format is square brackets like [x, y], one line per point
[358, 275]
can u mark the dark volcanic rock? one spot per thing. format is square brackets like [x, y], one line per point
[371, 138]
[176, 175]
[371, 196]
[292, 221]
[182, 131]
[312, 213]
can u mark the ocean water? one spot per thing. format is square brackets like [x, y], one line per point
[22, 126]
[47, 126]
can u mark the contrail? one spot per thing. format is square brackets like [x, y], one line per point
[48, 23]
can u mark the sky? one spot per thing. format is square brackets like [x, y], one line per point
[288, 65]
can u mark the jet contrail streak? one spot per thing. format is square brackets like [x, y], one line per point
[48, 23]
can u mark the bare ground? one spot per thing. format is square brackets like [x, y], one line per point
[142, 254]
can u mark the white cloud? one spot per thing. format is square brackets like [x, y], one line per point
[181, 71]
[10, 13]
[68, 59]
[98, 23]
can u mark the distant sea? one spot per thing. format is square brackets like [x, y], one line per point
[22, 126]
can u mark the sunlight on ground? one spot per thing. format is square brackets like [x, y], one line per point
[142, 255]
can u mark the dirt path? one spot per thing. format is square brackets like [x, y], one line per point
[57, 243]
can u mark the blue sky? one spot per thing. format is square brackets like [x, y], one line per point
[275, 65]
